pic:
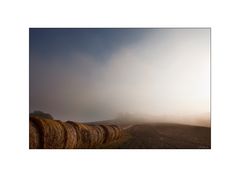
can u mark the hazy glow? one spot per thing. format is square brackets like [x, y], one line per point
[165, 73]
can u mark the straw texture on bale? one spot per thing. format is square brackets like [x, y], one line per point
[93, 136]
[109, 133]
[83, 134]
[52, 133]
[86, 135]
[34, 136]
[100, 134]
[116, 130]
[70, 135]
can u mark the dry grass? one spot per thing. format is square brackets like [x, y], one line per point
[163, 136]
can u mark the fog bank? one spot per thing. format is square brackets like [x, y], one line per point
[158, 73]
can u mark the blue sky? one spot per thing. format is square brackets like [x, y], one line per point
[99, 43]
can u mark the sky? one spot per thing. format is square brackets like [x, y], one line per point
[98, 74]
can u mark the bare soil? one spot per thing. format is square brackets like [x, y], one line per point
[163, 136]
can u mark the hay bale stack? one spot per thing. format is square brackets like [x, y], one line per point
[34, 136]
[52, 133]
[48, 134]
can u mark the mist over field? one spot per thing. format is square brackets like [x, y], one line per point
[99, 74]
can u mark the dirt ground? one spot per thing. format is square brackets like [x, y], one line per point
[163, 136]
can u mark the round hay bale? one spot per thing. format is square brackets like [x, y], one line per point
[83, 135]
[100, 134]
[109, 133]
[93, 136]
[120, 131]
[114, 131]
[86, 135]
[52, 133]
[105, 134]
[34, 136]
[117, 130]
[78, 132]
[70, 135]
